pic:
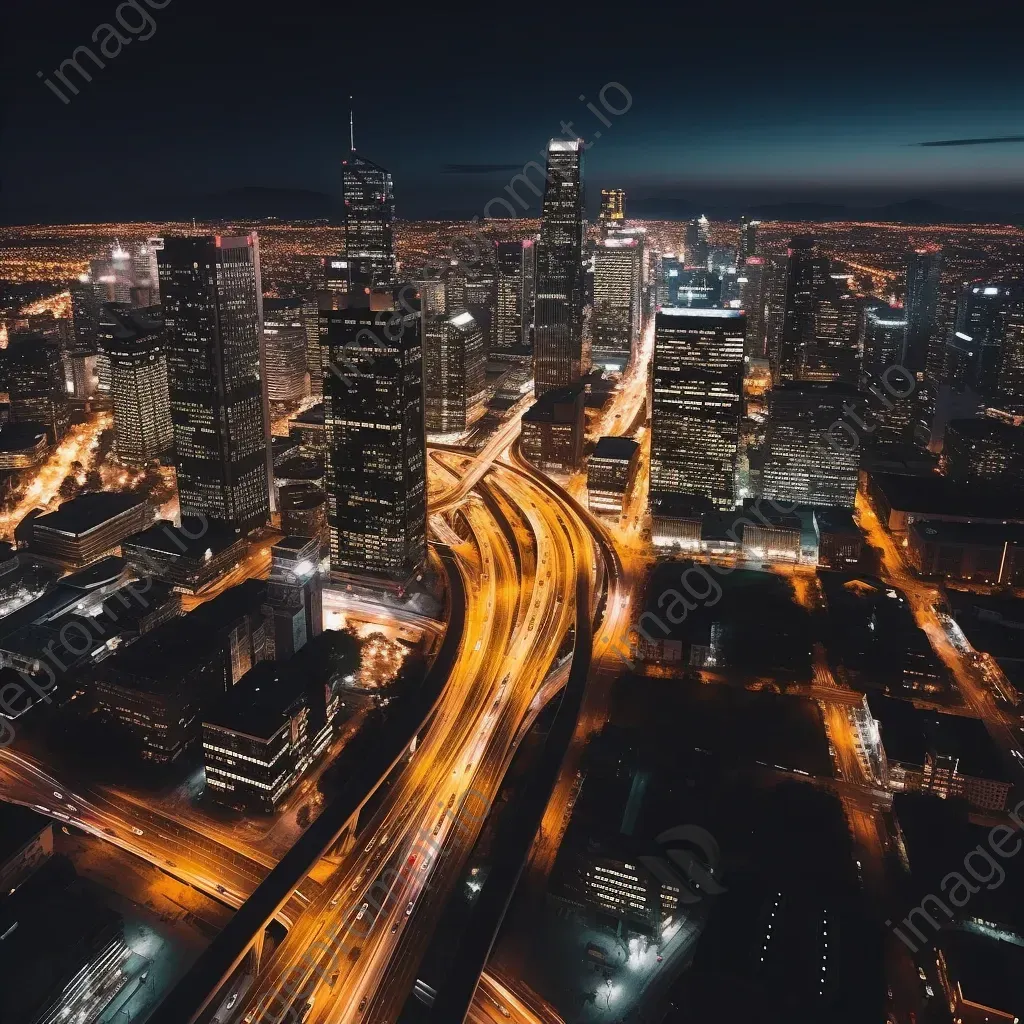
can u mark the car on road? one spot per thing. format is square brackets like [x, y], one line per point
[408, 909]
[137, 831]
[362, 911]
[232, 999]
[362, 1004]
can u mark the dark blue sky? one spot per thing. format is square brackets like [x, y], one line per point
[730, 104]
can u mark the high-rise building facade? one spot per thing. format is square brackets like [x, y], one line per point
[670, 277]
[615, 321]
[923, 277]
[697, 250]
[285, 343]
[1010, 396]
[368, 196]
[376, 445]
[613, 208]
[453, 372]
[558, 333]
[751, 281]
[806, 273]
[809, 460]
[980, 317]
[213, 308]
[38, 391]
[146, 272]
[748, 240]
[136, 344]
[885, 329]
[513, 304]
[697, 404]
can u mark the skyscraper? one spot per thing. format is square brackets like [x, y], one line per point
[213, 309]
[136, 344]
[697, 244]
[1011, 374]
[884, 331]
[818, 319]
[558, 345]
[453, 368]
[368, 195]
[923, 276]
[37, 388]
[284, 339]
[114, 278]
[751, 281]
[513, 311]
[670, 276]
[613, 208]
[980, 317]
[146, 272]
[804, 463]
[695, 420]
[615, 322]
[748, 240]
[376, 447]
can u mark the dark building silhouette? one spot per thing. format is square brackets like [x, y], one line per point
[212, 299]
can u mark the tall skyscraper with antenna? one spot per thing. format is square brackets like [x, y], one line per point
[369, 205]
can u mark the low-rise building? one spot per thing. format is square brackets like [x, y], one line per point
[775, 539]
[23, 445]
[949, 755]
[840, 542]
[266, 731]
[552, 430]
[189, 556]
[611, 474]
[902, 500]
[90, 526]
[972, 552]
[980, 976]
[983, 449]
[26, 842]
[154, 689]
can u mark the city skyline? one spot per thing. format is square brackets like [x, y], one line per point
[428, 596]
[879, 124]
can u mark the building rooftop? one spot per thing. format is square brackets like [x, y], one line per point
[97, 574]
[18, 825]
[259, 704]
[693, 313]
[193, 539]
[987, 430]
[311, 417]
[19, 437]
[159, 659]
[910, 733]
[88, 512]
[938, 495]
[835, 520]
[543, 409]
[619, 449]
[994, 534]
[988, 971]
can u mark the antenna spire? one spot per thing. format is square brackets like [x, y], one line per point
[351, 127]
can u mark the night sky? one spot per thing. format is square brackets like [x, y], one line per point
[731, 107]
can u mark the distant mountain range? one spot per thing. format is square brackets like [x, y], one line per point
[257, 202]
[910, 211]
